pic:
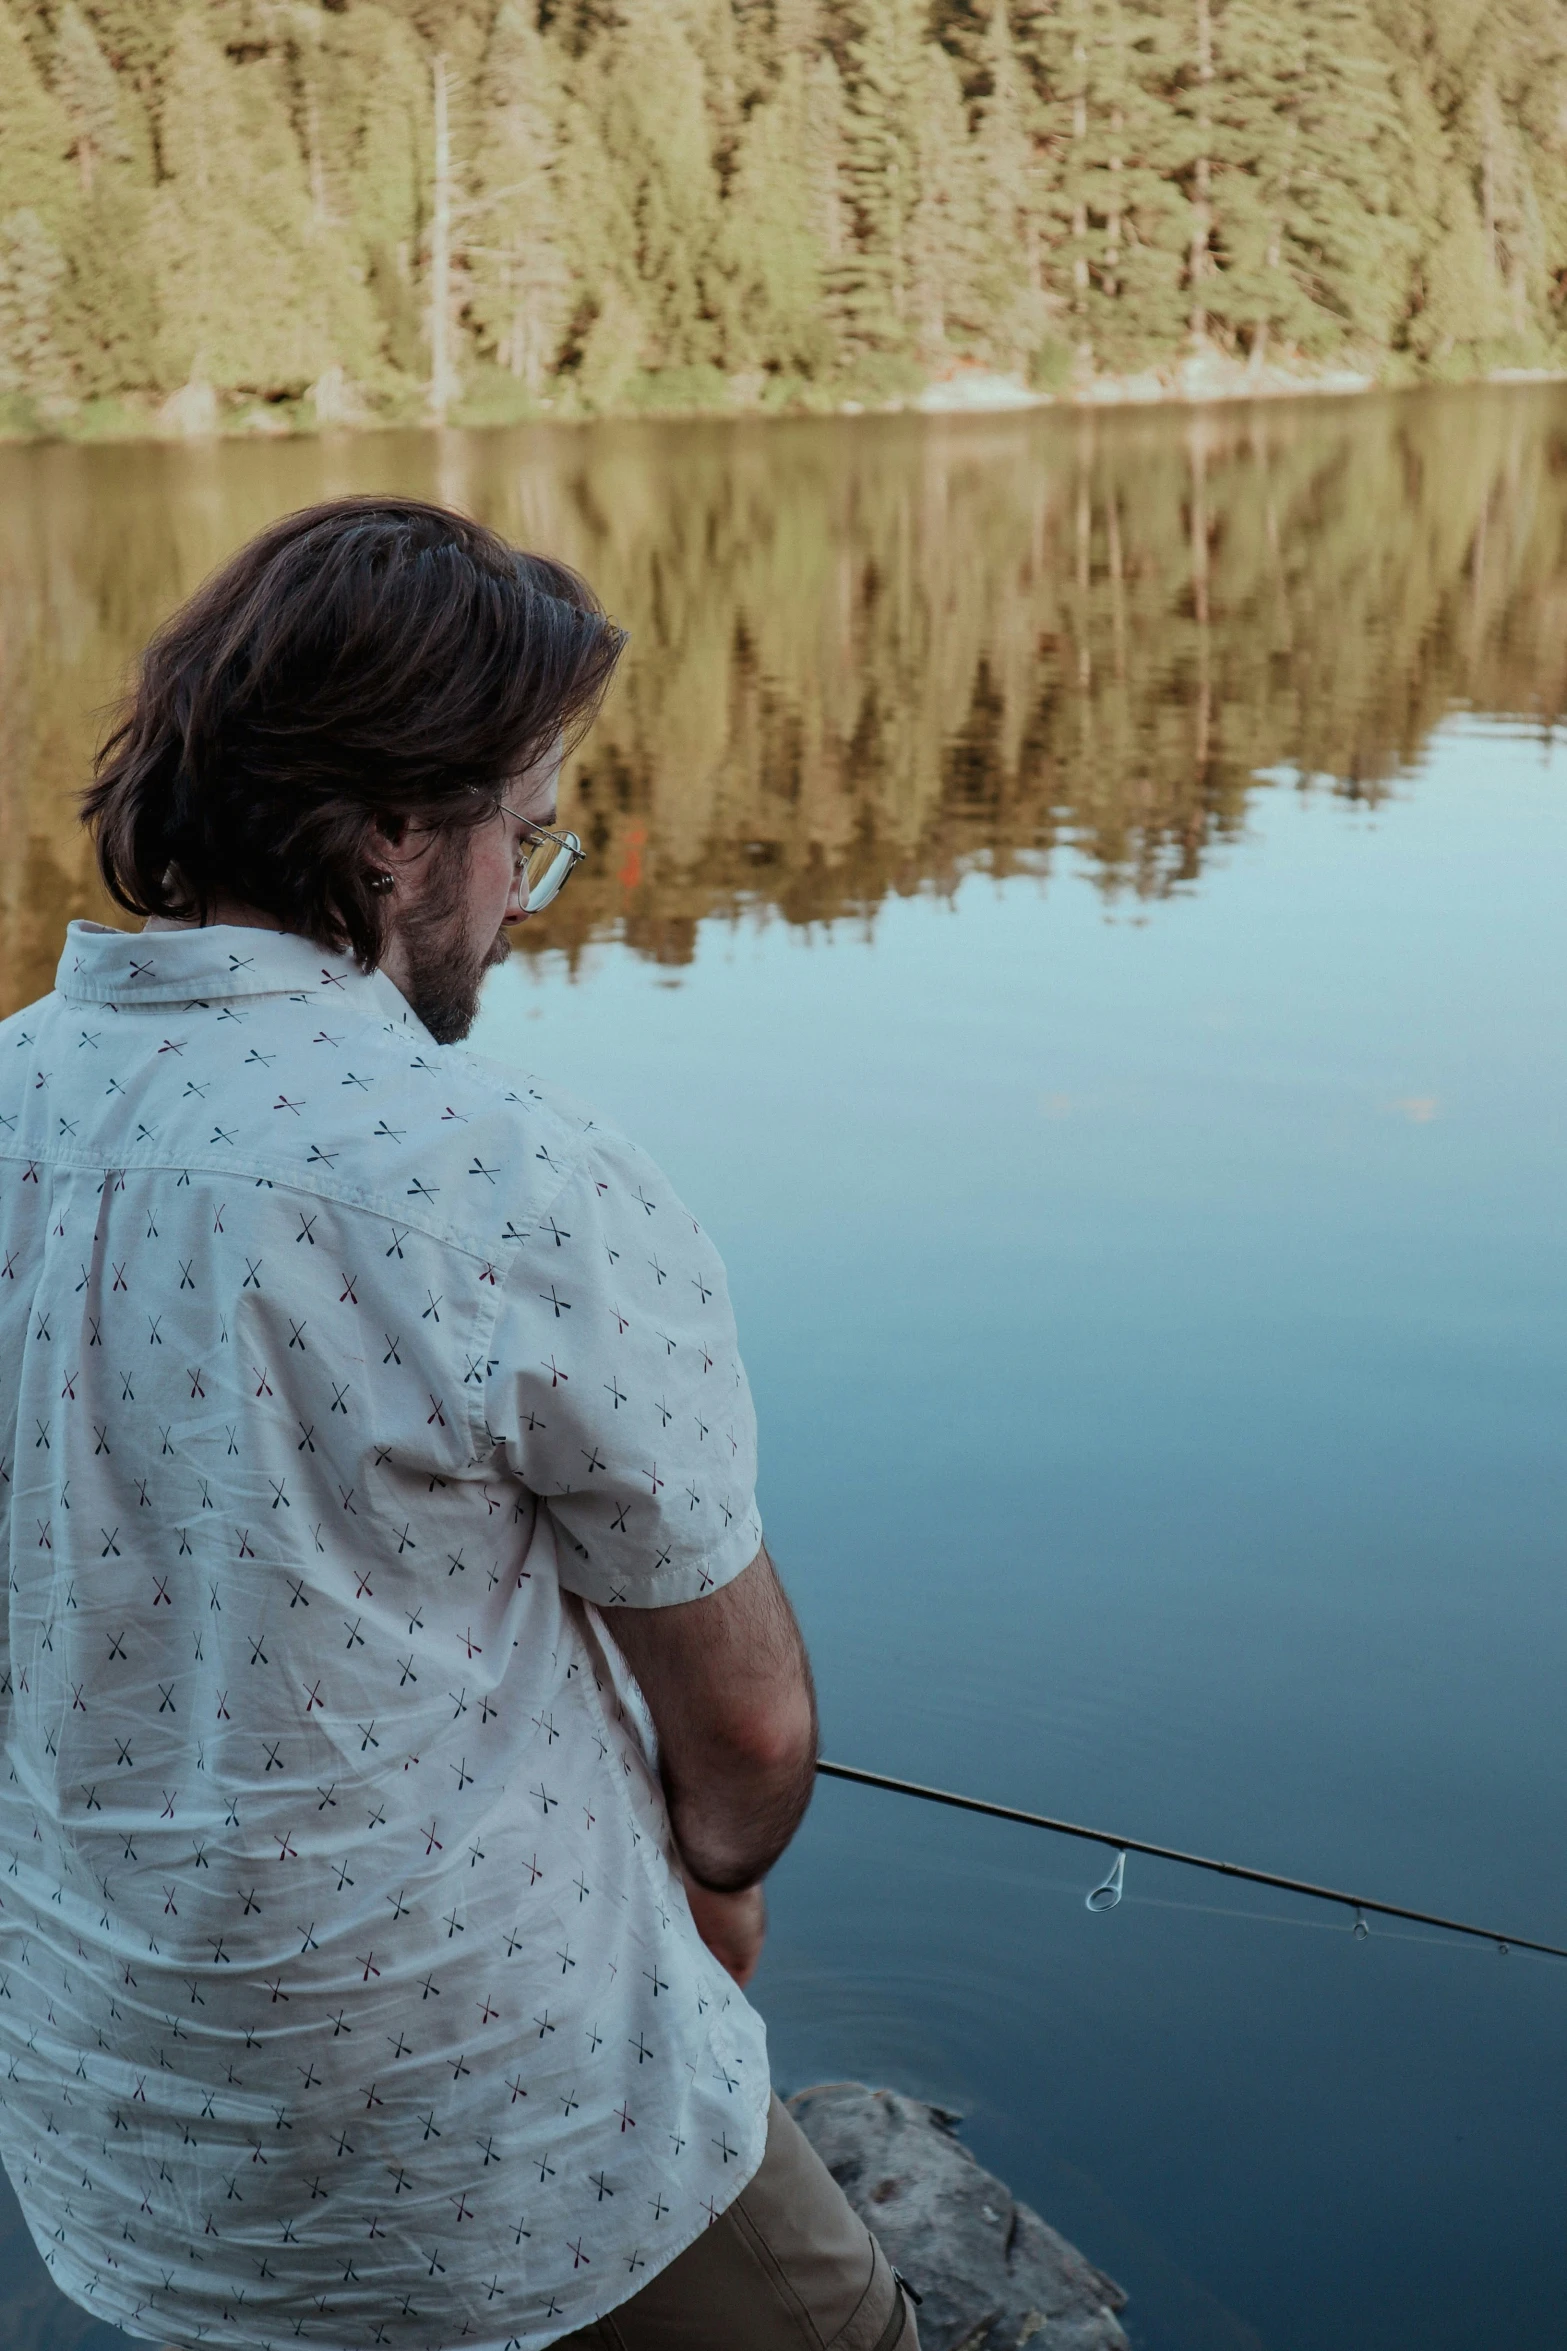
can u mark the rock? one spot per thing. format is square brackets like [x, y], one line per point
[336, 398]
[191, 413]
[268, 424]
[972, 390]
[992, 2275]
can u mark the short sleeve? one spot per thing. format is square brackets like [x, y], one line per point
[615, 1389]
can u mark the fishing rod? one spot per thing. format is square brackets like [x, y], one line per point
[1106, 1897]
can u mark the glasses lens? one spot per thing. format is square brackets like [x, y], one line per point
[545, 870]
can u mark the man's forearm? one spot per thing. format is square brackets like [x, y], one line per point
[728, 1684]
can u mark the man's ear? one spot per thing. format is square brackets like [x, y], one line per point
[396, 844]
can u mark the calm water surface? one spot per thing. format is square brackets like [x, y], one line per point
[1076, 907]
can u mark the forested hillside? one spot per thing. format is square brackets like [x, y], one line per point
[271, 209]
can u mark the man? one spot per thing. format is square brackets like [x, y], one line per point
[401, 1711]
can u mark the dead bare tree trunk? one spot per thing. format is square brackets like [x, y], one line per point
[443, 384]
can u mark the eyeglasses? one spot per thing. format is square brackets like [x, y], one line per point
[545, 863]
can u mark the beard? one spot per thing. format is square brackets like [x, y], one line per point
[446, 964]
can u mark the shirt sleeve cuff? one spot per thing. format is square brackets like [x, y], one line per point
[687, 1576]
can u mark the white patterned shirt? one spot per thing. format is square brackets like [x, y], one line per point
[348, 1993]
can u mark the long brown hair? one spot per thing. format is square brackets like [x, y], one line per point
[363, 664]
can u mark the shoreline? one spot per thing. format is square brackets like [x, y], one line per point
[193, 416]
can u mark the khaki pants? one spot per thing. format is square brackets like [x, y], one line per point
[789, 2267]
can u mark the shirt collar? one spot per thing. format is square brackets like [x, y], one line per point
[103, 966]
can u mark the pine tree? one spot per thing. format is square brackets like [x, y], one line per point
[87, 87]
[1463, 315]
[1338, 233]
[249, 299]
[1135, 185]
[227, 289]
[36, 134]
[607, 336]
[654, 127]
[874, 289]
[1487, 137]
[1009, 193]
[1115, 213]
[1065, 55]
[774, 251]
[388, 178]
[40, 210]
[108, 297]
[822, 161]
[946, 245]
[1488, 200]
[520, 285]
[32, 271]
[1303, 127]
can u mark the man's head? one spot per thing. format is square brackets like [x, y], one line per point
[323, 736]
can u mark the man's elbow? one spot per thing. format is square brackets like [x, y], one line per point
[775, 1739]
[738, 1800]
[780, 1739]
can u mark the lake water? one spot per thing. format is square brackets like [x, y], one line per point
[1076, 906]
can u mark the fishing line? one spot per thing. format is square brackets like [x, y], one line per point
[1107, 1895]
[1295, 1922]
[1284, 1918]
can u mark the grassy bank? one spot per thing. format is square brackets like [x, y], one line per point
[495, 400]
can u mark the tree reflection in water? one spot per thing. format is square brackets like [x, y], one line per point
[869, 654]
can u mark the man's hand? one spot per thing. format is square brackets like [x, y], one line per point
[733, 1926]
[728, 1686]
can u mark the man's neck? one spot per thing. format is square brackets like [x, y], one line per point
[225, 910]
